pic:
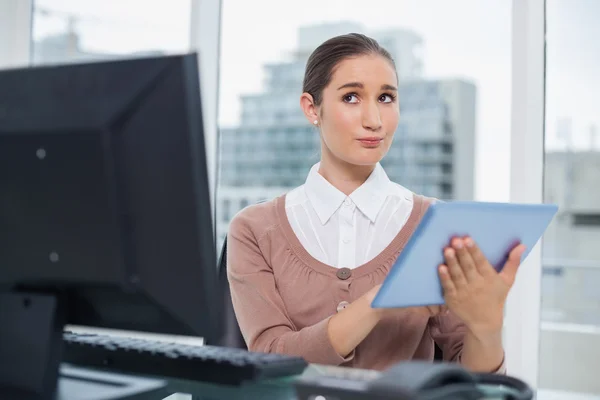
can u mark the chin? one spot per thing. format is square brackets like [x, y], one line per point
[368, 156]
[365, 160]
[359, 156]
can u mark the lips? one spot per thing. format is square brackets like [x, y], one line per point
[371, 139]
[370, 142]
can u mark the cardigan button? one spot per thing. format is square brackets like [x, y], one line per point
[344, 273]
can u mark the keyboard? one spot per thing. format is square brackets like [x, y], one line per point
[210, 364]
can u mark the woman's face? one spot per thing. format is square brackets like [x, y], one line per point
[359, 111]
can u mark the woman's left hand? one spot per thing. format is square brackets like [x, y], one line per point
[474, 291]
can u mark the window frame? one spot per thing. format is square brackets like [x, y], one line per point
[522, 321]
[205, 39]
[15, 33]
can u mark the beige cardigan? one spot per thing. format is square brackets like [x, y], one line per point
[283, 297]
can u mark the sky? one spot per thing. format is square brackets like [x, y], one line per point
[118, 27]
[572, 69]
[469, 39]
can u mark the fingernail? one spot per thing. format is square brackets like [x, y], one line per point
[458, 244]
[469, 242]
[449, 253]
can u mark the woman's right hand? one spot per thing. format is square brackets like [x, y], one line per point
[428, 311]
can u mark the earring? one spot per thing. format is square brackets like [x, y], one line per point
[315, 122]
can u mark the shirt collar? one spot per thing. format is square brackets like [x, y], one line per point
[326, 199]
[323, 196]
[370, 196]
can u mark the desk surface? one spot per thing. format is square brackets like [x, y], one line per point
[75, 385]
[267, 389]
[284, 388]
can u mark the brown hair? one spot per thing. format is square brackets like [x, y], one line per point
[322, 62]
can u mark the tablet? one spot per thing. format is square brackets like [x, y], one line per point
[496, 228]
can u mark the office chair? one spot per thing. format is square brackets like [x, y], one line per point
[232, 335]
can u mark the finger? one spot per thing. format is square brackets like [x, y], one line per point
[456, 273]
[434, 310]
[465, 260]
[439, 310]
[447, 284]
[481, 262]
[509, 272]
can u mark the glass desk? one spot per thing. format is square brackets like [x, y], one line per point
[99, 385]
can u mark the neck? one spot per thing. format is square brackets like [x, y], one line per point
[343, 176]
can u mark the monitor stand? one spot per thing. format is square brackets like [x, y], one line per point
[31, 342]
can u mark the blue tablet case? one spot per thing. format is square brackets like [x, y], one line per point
[496, 228]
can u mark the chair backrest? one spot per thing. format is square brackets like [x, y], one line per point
[438, 355]
[232, 336]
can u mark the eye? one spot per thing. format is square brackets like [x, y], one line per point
[350, 98]
[387, 98]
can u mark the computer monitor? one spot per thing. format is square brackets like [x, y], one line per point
[105, 216]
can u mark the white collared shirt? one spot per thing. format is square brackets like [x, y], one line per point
[347, 231]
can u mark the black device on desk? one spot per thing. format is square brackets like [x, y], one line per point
[208, 364]
[414, 380]
[105, 216]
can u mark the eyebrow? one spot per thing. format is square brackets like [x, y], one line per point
[361, 86]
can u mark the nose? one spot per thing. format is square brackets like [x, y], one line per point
[371, 117]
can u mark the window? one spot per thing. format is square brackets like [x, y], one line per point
[570, 315]
[78, 31]
[224, 209]
[449, 76]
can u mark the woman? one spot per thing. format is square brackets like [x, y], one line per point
[304, 267]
